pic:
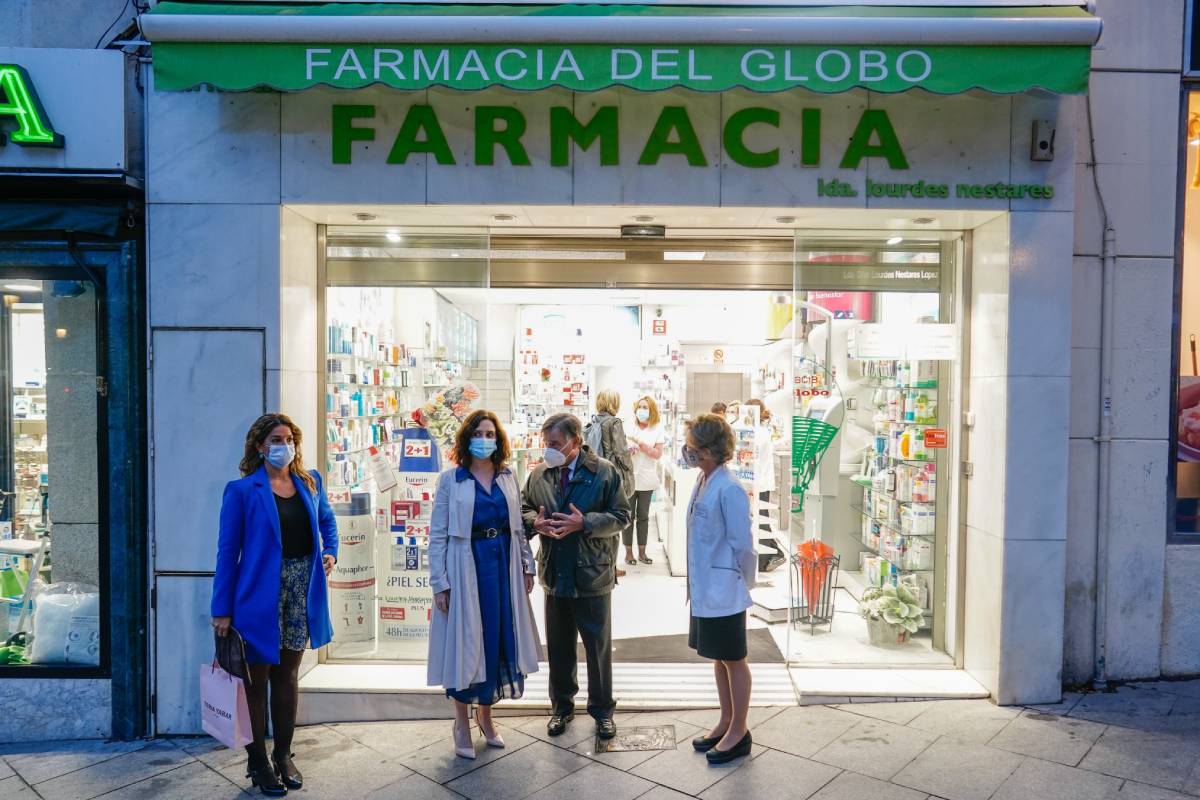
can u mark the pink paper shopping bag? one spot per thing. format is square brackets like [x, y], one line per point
[224, 713]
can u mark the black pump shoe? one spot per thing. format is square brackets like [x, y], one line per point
[703, 744]
[267, 782]
[285, 768]
[740, 749]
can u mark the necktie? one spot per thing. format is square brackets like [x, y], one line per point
[564, 477]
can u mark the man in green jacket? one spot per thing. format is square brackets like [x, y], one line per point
[574, 500]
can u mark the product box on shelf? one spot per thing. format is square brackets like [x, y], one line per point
[405, 596]
[352, 582]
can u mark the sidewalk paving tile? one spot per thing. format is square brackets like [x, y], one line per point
[595, 782]
[1036, 778]
[624, 760]
[1127, 701]
[1052, 737]
[966, 720]
[115, 773]
[876, 748]
[772, 776]
[664, 793]
[1187, 688]
[194, 781]
[959, 770]
[5, 770]
[396, 739]
[1069, 701]
[804, 730]
[1163, 760]
[852, 786]
[415, 787]
[13, 788]
[438, 762]
[687, 771]
[41, 761]
[1132, 790]
[896, 713]
[520, 774]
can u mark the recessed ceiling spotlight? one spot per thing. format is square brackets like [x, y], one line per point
[644, 218]
[362, 216]
[22, 287]
[394, 237]
[924, 221]
[455, 255]
[503, 217]
[785, 220]
[895, 240]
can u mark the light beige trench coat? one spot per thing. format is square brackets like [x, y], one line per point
[456, 659]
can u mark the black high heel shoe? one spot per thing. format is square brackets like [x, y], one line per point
[285, 768]
[739, 750]
[266, 781]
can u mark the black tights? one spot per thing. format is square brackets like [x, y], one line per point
[284, 680]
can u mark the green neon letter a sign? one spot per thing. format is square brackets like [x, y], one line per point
[19, 101]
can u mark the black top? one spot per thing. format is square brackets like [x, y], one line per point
[294, 526]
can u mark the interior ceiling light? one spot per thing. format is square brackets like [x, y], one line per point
[644, 218]
[924, 221]
[503, 217]
[394, 237]
[643, 231]
[362, 216]
[683, 255]
[895, 240]
[785, 220]
[22, 287]
[455, 255]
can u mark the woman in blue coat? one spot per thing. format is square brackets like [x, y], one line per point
[278, 542]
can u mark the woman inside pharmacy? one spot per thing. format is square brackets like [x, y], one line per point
[482, 638]
[721, 570]
[277, 543]
[646, 447]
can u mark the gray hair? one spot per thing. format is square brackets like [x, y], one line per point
[566, 424]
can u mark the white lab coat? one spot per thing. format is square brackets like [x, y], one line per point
[722, 563]
[456, 659]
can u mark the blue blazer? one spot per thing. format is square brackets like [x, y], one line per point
[250, 557]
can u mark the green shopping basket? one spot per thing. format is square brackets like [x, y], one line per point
[810, 439]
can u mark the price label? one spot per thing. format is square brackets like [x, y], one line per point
[936, 438]
[418, 529]
[418, 448]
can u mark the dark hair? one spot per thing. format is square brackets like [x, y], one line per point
[712, 433]
[564, 423]
[461, 454]
[252, 459]
[718, 408]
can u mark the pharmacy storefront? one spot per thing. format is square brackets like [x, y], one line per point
[849, 226]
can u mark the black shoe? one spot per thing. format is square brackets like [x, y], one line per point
[285, 768]
[266, 781]
[704, 744]
[646, 559]
[557, 725]
[606, 728]
[740, 749]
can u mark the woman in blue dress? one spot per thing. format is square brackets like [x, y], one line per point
[483, 641]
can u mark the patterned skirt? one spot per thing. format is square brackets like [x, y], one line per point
[294, 578]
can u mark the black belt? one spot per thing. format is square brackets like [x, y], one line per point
[489, 533]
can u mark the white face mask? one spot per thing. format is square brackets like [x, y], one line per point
[553, 458]
[642, 414]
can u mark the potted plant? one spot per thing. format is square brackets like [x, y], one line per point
[892, 614]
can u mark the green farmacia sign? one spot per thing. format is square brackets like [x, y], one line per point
[19, 103]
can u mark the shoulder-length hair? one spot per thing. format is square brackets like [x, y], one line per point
[461, 453]
[653, 406]
[255, 437]
[608, 402]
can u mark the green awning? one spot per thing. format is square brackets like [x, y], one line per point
[828, 49]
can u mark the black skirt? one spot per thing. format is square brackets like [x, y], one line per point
[719, 638]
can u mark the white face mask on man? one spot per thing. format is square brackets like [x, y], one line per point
[553, 458]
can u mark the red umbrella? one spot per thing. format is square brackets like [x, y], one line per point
[815, 561]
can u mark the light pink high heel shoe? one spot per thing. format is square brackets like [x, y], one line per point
[492, 741]
[461, 750]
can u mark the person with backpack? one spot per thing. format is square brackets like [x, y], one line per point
[605, 436]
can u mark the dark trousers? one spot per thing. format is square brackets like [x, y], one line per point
[589, 618]
[641, 517]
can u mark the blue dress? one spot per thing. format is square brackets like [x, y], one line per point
[503, 678]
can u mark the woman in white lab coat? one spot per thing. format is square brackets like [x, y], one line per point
[721, 570]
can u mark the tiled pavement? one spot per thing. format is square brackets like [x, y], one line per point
[1141, 742]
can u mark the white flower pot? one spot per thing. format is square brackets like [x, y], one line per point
[885, 634]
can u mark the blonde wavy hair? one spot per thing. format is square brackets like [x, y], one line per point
[252, 459]
[608, 402]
